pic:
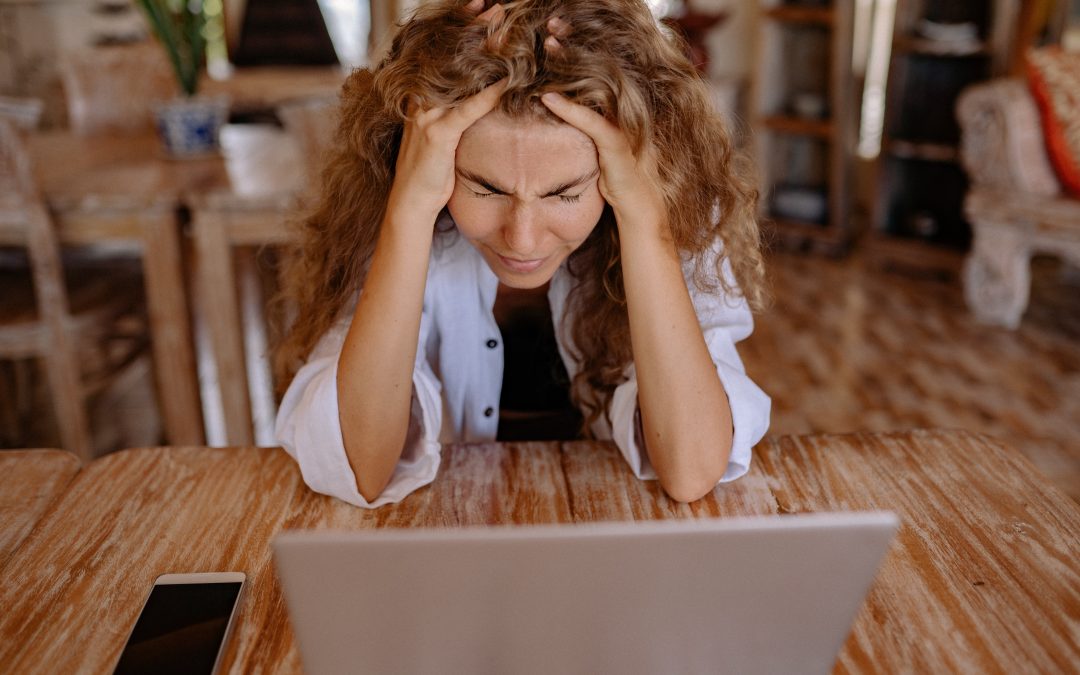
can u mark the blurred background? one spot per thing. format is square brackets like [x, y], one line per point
[919, 164]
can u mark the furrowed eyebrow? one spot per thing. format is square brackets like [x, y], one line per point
[554, 192]
[585, 178]
[481, 181]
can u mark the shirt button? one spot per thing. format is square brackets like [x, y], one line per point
[492, 344]
[488, 412]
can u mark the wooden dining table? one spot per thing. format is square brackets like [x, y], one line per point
[122, 191]
[983, 576]
[261, 89]
[30, 481]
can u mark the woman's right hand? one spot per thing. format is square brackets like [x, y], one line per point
[424, 175]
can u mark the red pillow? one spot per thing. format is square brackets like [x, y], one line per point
[1054, 76]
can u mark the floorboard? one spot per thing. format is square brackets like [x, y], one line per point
[845, 347]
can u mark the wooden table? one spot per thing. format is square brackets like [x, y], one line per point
[262, 89]
[30, 481]
[229, 223]
[983, 578]
[121, 190]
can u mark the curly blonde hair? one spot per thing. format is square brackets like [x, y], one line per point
[617, 61]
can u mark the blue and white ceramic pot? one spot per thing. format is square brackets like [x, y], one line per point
[190, 127]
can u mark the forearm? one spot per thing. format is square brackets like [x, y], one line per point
[374, 376]
[685, 414]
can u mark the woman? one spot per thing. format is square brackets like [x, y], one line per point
[532, 226]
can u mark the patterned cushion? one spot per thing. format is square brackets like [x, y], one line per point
[1054, 76]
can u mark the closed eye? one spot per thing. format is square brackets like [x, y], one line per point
[488, 189]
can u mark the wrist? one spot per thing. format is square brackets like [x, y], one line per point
[645, 223]
[411, 213]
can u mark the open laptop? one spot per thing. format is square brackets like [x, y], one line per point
[741, 595]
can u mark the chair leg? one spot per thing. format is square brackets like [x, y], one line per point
[9, 408]
[62, 367]
[997, 273]
[62, 370]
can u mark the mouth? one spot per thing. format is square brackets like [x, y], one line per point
[521, 266]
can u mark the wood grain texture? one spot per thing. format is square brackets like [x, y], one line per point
[30, 481]
[485, 484]
[601, 487]
[983, 576]
[84, 571]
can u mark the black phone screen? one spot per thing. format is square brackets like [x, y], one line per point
[180, 629]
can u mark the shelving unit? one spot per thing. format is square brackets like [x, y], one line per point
[918, 216]
[803, 105]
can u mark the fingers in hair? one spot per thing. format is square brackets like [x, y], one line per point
[492, 15]
[592, 124]
[475, 6]
[476, 106]
[559, 28]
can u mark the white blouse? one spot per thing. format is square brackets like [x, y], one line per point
[457, 380]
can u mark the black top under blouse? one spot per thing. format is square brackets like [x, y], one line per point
[535, 403]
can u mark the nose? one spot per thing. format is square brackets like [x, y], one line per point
[521, 230]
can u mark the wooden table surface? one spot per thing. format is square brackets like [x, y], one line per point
[30, 480]
[983, 577]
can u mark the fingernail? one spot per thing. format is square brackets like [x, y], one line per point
[550, 97]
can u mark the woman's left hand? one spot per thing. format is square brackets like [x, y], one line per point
[628, 182]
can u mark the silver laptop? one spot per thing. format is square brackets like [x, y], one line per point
[740, 595]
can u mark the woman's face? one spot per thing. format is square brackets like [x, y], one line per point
[526, 195]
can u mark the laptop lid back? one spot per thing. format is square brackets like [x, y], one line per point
[738, 595]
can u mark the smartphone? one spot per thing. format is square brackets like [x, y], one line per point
[184, 624]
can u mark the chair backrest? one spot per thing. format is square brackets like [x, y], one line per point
[18, 192]
[24, 216]
[113, 89]
[23, 113]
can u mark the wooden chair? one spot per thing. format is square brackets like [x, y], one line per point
[228, 226]
[113, 89]
[86, 329]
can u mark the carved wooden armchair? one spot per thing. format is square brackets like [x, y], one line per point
[1015, 203]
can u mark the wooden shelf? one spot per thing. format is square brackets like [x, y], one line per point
[918, 217]
[928, 152]
[805, 47]
[819, 16]
[913, 44]
[799, 126]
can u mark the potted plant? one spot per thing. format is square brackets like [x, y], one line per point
[188, 125]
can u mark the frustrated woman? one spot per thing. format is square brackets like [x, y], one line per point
[532, 226]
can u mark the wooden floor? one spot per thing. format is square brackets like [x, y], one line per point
[847, 347]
